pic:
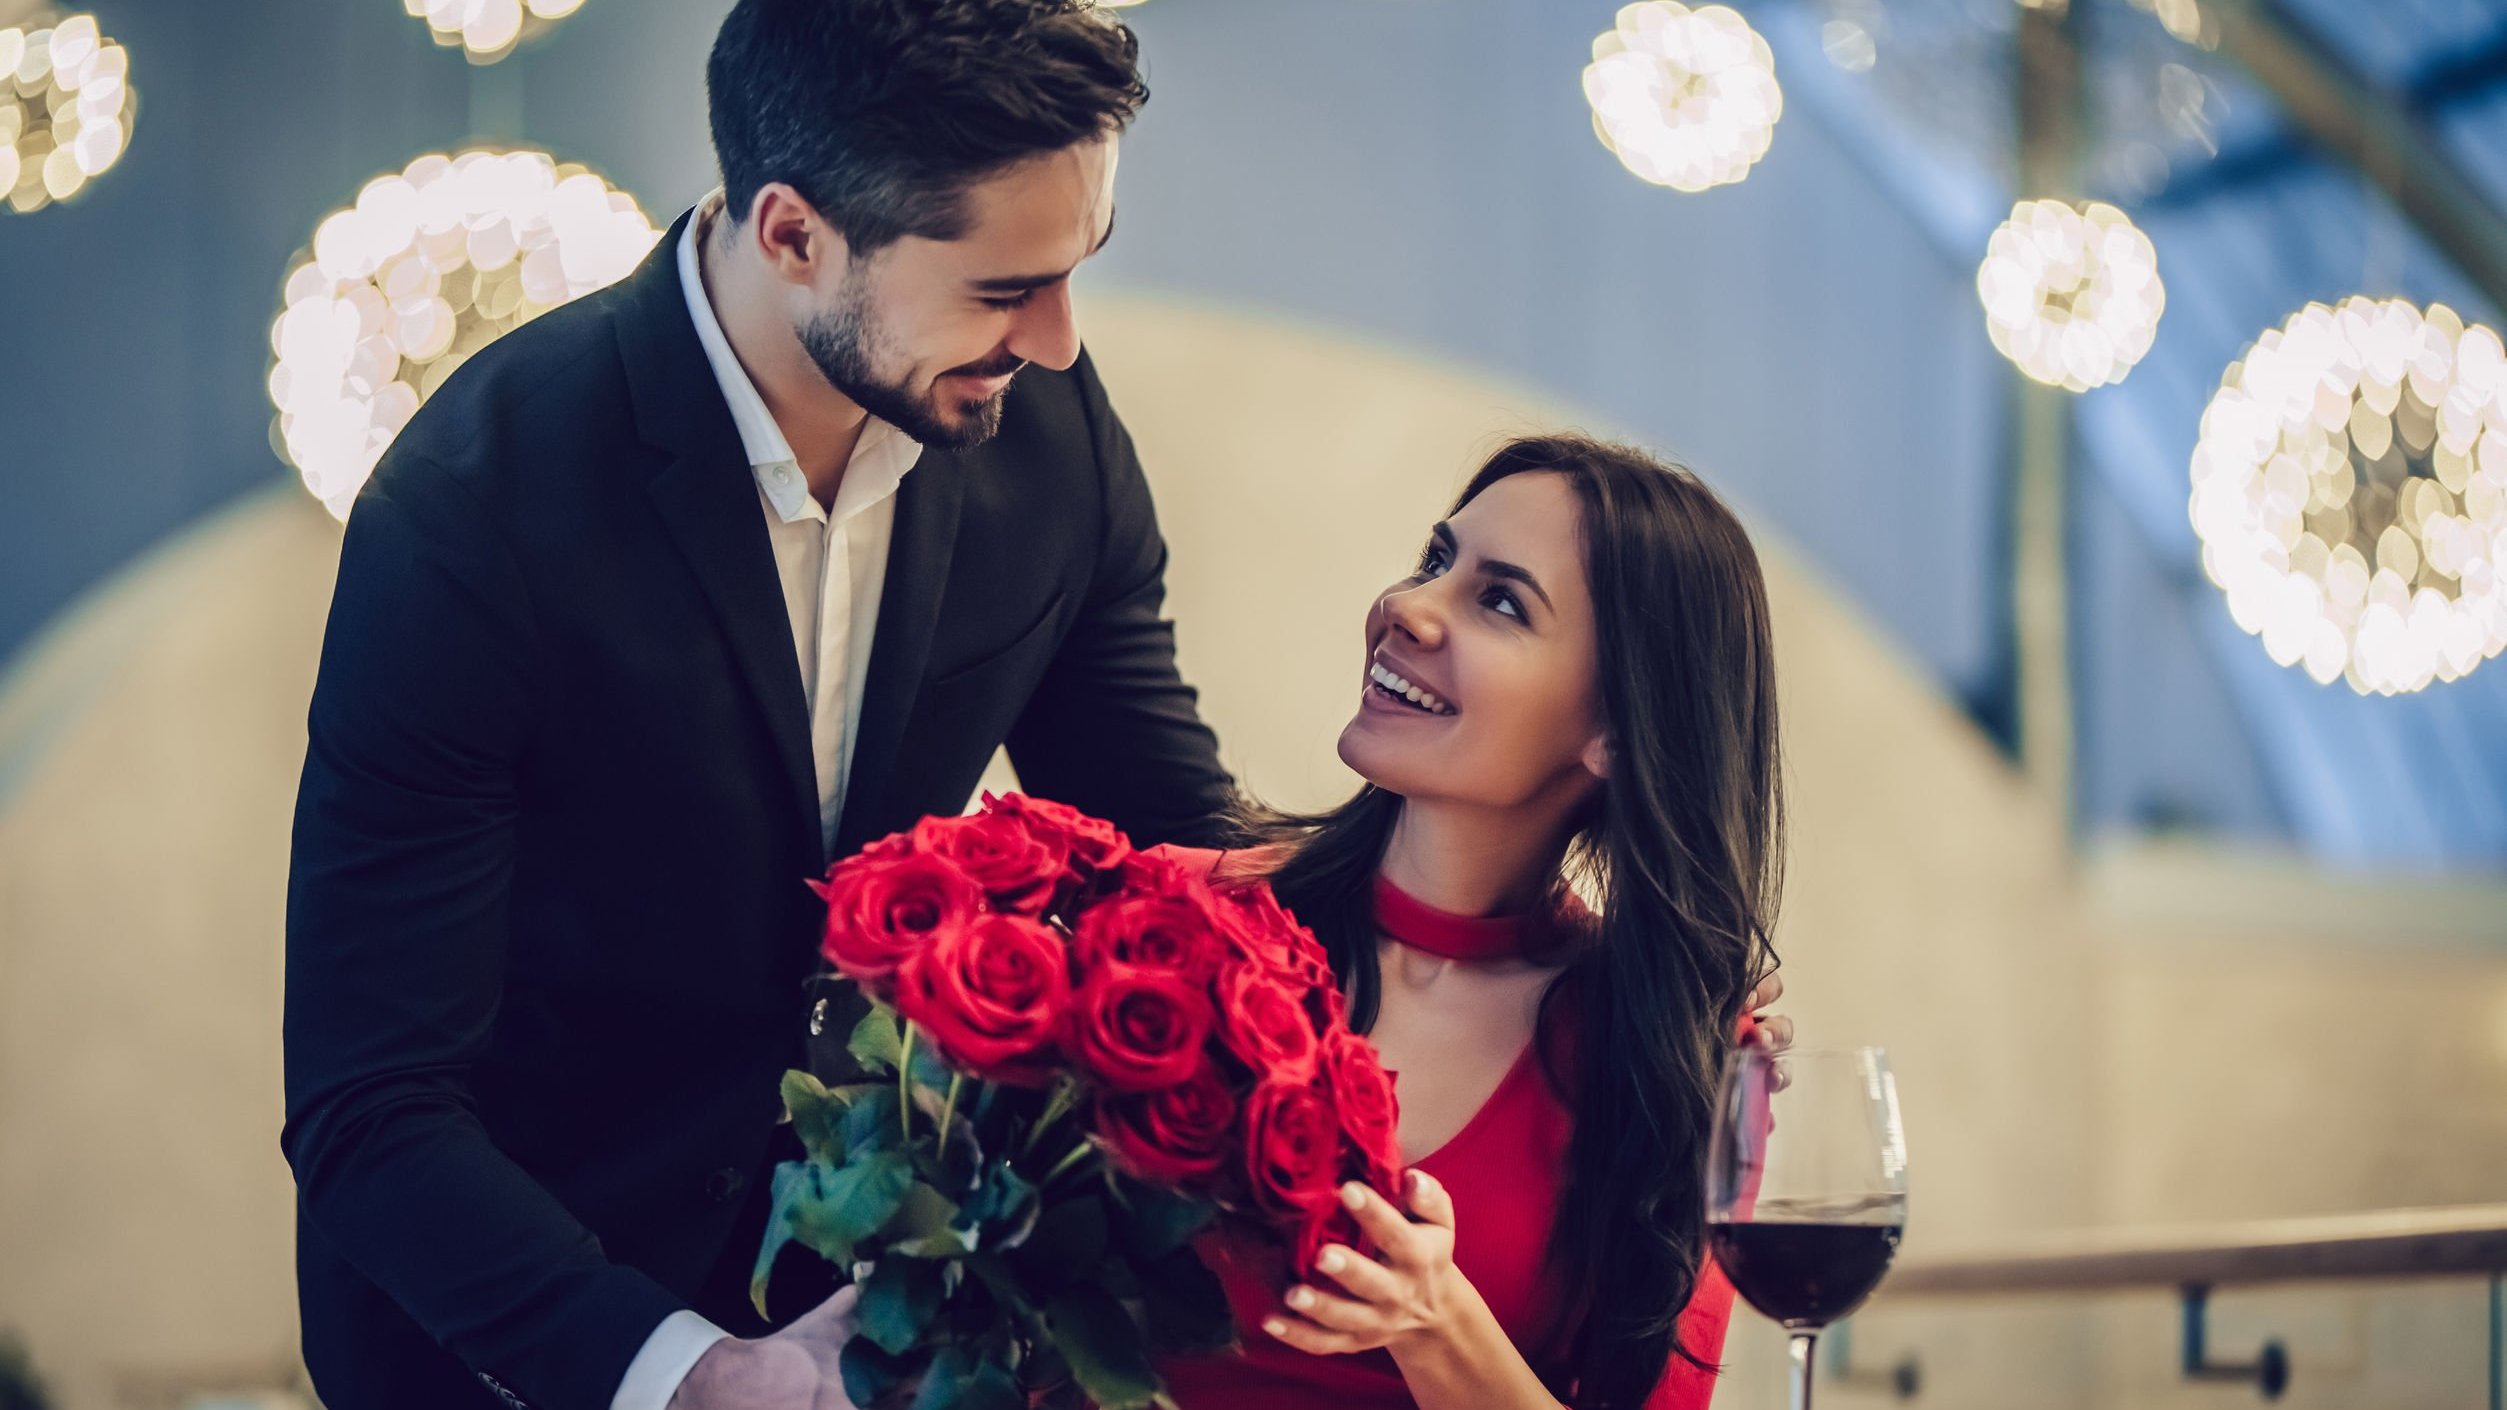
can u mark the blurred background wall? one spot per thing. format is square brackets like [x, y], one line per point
[2251, 961]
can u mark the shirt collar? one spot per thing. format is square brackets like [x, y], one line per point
[881, 457]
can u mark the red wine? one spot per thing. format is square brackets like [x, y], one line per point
[1804, 1275]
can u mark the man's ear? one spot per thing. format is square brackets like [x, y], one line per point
[1596, 757]
[791, 236]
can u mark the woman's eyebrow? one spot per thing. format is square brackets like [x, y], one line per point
[1443, 533]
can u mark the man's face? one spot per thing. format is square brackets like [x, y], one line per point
[926, 334]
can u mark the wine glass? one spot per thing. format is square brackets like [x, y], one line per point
[1806, 1186]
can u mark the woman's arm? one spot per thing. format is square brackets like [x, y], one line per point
[1414, 1303]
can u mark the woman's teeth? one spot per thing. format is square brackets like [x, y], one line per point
[1402, 689]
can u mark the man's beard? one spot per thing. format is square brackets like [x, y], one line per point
[841, 343]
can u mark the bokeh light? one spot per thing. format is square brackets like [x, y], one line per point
[2350, 489]
[2071, 293]
[66, 108]
[430, 265]
[487, 30]
[1685, 98]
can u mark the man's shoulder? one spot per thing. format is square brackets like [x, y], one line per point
[548, 398]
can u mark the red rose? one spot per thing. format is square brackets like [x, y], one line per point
[990, 995]
[883, 910]
[1292, 1148]
[1166, 933]
[1017, 871]
[1264, 1023]
[1172, 1136]
[1092, 844]
[1259, 928]
[1138, 1029]
[1369, 1111]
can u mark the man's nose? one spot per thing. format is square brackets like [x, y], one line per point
[1046, 334]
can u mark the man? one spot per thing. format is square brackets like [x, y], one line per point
[664, 601]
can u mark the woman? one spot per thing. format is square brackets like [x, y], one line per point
[1576, 685]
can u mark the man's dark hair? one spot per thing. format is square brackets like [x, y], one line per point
[882, 112]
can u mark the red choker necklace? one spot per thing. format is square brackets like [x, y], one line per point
[1423, 927]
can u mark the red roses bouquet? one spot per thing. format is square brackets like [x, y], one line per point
[1084, 1056]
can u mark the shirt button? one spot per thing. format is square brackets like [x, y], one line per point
[723, 1184]
[783, 475]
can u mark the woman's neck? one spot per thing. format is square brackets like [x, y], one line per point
[1471, 861]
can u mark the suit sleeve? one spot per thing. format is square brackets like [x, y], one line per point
[397, 924]
[1113, 729]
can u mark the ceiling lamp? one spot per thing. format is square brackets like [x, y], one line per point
[2071, 293]
[429, 266]
[487, 30]
[2350, 489]
[1684, 98]
[66, 108]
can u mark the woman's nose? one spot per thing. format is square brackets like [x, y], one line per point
[1413, 612]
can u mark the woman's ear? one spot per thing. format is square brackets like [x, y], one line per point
[1596, 757]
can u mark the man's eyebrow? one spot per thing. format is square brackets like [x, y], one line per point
[1443, 533]
[1021, 283]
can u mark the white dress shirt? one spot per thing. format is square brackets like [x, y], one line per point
[833, 561]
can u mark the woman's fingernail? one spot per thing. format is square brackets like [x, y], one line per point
[1330, 1262]
[1299, 1298]
[1354, 1195]
[1274, 1327]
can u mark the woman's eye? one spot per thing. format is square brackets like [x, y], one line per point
[1431, 563]
[1505, 602]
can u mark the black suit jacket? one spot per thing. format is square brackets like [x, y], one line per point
[547, 933]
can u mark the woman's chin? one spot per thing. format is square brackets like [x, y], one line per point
[1382, 762]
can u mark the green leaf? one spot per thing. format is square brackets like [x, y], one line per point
[790, 1178]
[1156, 1221]
[1103, 1346]
[961, 1378]
[1185, 1305]
[897, 1301]
[931, 1071]
[876, 1042]
[923, 1226]
[870, 1123]
[865, 1194]
[870, 1372]
[1002, 1211]
[817, 1116]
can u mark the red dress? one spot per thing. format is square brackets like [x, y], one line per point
[1504, 1171]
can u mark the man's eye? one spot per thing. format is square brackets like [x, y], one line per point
[1014, 301]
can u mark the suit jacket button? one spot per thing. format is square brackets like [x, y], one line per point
[724, 1184]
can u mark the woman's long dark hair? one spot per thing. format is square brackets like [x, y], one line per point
[1684, 847]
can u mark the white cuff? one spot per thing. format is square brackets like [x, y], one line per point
[654, 1375]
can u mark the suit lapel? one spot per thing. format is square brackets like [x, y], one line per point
[919, 555]
[708, 501]
[710, 507]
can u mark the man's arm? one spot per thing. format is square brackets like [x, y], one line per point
[397, 925]
[1112, 729]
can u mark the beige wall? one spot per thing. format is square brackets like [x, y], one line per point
[2151, 1038]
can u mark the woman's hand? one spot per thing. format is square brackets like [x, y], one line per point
[1774, 1031]
[1409, 1293]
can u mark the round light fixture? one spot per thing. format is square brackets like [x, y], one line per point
[487, 30]
[2071, 293]
[66, 108]
[2350, 488]
[430, 265]
[1685, 98]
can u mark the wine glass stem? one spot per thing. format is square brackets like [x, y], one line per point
[1802, 1343]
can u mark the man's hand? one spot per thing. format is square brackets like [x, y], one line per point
[794, 1369]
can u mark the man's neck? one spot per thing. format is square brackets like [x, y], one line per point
[821, 424]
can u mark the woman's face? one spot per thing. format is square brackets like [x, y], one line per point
[1480, 682]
